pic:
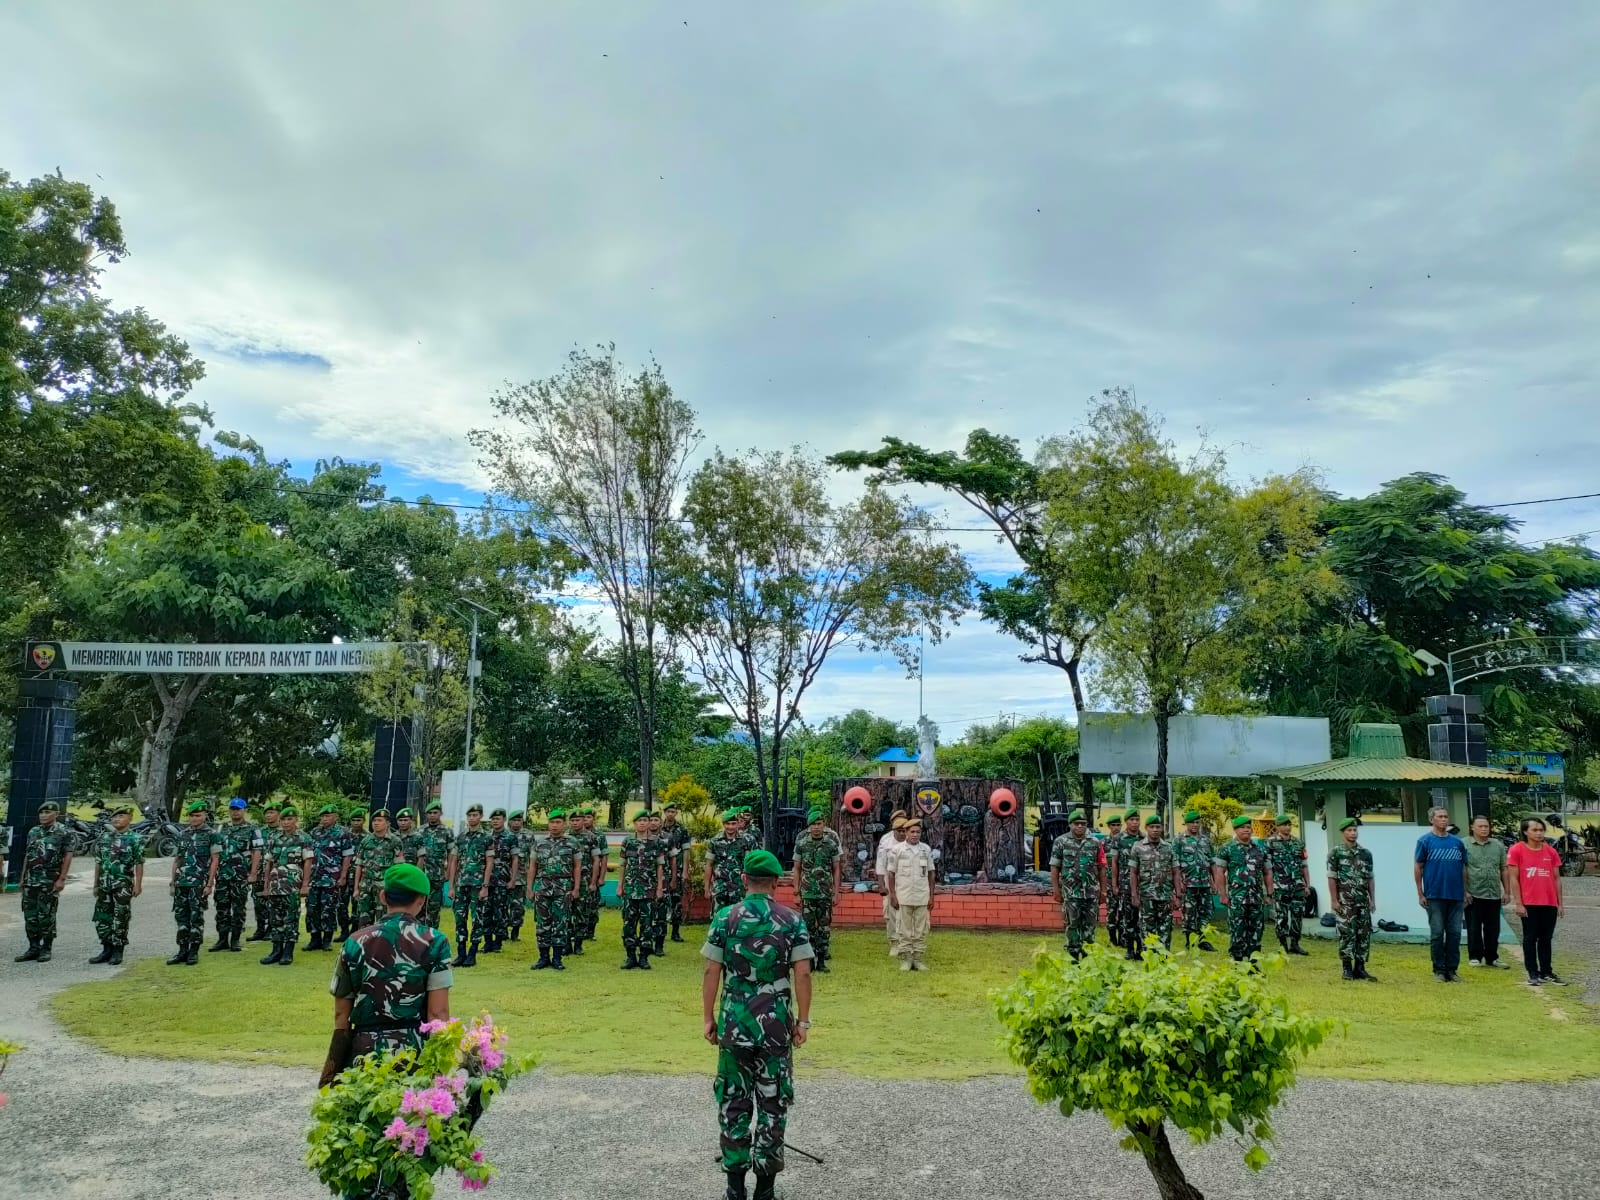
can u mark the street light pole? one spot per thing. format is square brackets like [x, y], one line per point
[472, 691]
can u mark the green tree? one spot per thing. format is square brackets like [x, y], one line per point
[1177, 566]
[91, 412]
[1159, 1041]
[773, 577]
[1042, 752]
[862, 734]
[598, 456]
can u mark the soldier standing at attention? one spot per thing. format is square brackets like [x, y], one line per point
[438, 847]
[1153, 877]
[258, 897]
[45, 864]
[471, 864]
[817, 863]
[332, 851]
[1352, 895]
[118, 878]
[724, 853]
[1291, 878]
[410, 839]
[194, 875]
[375, 854]
[1115, 917]
[497, 912]
[391, 977]
[675, 841]
[758, 954]
[237, 870]
[1077, 878]
[1127, 900]
[1195, 853]
[1243, 876]
[554, 883]
[355, 830]
[880, 868]
[638, 887]
[600, 848]
[585, 905]
[522, 844]
[660, 905]
[287, 863]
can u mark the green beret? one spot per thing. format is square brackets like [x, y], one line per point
[195, 806]
[499, 812]
[271, 806]
[405, 812]
[519, 815]
[475, 808]
[409, 876]
[1240, 822]
[121, 808]
[762, 864]
[1076, 815]
[50, 806]
[1113, 819]
[1131, 815]
[436, 807]
[328, 808]
[1348, 823]
[289, 810]
[730, 815]
[817, 814]
[669, 807]
[379, 812]
[1285, 819]
[1191, 815]
[641, 816]
[557, 814]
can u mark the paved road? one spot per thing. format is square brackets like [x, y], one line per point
[86, 1125]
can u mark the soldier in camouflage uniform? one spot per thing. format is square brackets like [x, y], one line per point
[391, 977]
[375, 853]
[286, 860]
[1115, 845]
[355, 830]
[661, 906]
[760, 953]
[1154, 878]
[818, 860]
[675, 841]
[505, 882]
[552, 882]
[522, 840]
[600, 859]
[471, 864]
[118, 878]
[333, 852]
[258, 897]
[45, 864]
[237, 869]
[194, 875]
[1352, 895]
[724, 853]
[1243, 877]
[639, 884]
[1291, 883]
[438, 843]
[586, 904]
[1077, 879]
[1195, 852]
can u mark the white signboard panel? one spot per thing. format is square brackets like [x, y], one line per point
[215, 658]
[1125, 744]
[459, 790]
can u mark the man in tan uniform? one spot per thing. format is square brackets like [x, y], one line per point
[880, 868]
[911, 896]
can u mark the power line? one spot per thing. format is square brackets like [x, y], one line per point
[1544, 500]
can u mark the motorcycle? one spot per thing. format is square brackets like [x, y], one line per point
[1568, 845]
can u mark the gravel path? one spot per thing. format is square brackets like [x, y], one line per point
[99, 1127]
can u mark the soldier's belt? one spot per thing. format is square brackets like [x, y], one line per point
[388, 1027]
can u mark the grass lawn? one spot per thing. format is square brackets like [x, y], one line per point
[594, 1018]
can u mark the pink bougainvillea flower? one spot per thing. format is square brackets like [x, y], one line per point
[429, 1027]
[397, 1128]
[477, 1156]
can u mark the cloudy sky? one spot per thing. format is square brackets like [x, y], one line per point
[1359, 236]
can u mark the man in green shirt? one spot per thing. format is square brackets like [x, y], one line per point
[1486, 882]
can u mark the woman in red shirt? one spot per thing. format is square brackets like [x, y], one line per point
[1533, 870]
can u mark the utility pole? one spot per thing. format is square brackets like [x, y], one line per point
[474, 669]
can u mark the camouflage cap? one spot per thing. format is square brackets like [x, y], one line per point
[195, 806]
[409, 876]
[762, 864]
[1192, 815]
[1240, 821]
[1348, 823]
[49, 806]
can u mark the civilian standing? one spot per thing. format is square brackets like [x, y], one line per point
[1534, 874]
[911, 877]
[1441, 874]
[1486, 873]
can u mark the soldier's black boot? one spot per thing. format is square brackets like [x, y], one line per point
[222, 944]
[555, 960]
[575, 946]
[233, 940]
[1347, 971]
[104, 956]
[31, 954]
[644, 959]
[1205, 945]
[181, 958]
[764, 1185]
[1361, 971]
[1294, 946]
[676, 936]
[633, 965]
[736, 1187]
[472, 954]
[116, 957]
[288, 953]
[544, 959]
[516, 933]
[275, 956]
[192, 959]
[44, 949]
[661, 947]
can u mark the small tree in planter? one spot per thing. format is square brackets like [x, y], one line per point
[1146, 1043]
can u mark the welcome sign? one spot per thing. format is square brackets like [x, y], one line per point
[216, 658]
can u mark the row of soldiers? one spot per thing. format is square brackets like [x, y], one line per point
[1147, 881]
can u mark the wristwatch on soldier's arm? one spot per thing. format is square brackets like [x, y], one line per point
[804, 1024]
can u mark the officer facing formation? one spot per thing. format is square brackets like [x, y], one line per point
[237, 868]
[758, 955]
[194, 875]
[1291, 881]
[45, 864]
[1194, 853]
[1352, 894]
[1077, 880]
[1243, 878]
[818, 859]
[118, 878]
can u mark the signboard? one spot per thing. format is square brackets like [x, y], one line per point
[1549, 768]
[196, 658]
[1125, 744]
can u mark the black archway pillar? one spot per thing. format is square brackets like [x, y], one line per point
[41, 759]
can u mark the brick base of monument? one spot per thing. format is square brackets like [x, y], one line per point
[958, 906]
